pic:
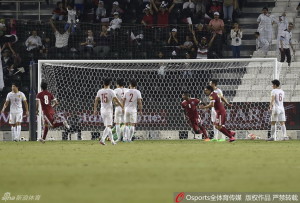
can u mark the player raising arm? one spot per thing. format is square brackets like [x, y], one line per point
[119, 113]
[190, 107]
[48, 102]
[107, 96]
[15, 98]
[215, 102]
[132, 100]
[277, 109]
[214, 84]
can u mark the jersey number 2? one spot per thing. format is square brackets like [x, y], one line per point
[131, 95]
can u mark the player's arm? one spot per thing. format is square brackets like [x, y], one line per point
[140, 105]
[5, 106]
[96, 105]
[116, 100]
[37, 105]
[54, 103]
[26, 107]
[225, 100]
[52, 25]
[210, 105]
[272, 102]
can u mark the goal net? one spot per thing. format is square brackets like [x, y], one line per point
[245, 82]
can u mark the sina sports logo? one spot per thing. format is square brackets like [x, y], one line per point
[179, 197]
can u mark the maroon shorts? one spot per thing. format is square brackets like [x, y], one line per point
[49, 117]
[220, 118]
[195, 120]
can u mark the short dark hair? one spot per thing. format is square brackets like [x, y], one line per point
[120, 82]
[276, 82]
[44, 85]
[214, 81]
[186, 93]
[209, 88]
[257, 33]
[17, 84]
[133, 82]
[107, 81]
[265, 8]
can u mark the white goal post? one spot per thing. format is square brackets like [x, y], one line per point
[245, 82]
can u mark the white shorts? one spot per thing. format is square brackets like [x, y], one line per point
[130, 117]
[107, 118]
[278, 114]
[213, 115]
[119, 116]
[15, 118]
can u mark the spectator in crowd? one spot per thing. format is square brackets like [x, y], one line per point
[1, 71]
[286, 44]
[148, 17]
[203, 45]
[201, 31]
[33, 43]
[265, 27]
[59, 12]
[282, 23]
[100, 11]
[102, 47]
[12, 27]
[201, 6]
[262, 45]
[71, 18]
[163, 13]
[216, 25]
[45, 48]
[116, 8]
[115, 23]
[2, 27]
[187, 45]
[160, 55]
[87, 46]
[228, 9]
[236, 40]
[173, 38]
[215, 7]
[61, 40]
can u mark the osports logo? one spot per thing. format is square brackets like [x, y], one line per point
[179, 197]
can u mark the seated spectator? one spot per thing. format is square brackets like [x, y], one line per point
[33, 43]
[188, 44]
[215, 7]
[45, 48]
[115, 23]
[71, 18]
[100, 11]
[173, 39]
[148, 17]
[163, 13]
[262, 44]
[87, 46]
[102, 47]
[2, 27]
[116, 8]
[61, 40]
[59, 12]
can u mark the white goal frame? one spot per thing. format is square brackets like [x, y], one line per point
[276, 70]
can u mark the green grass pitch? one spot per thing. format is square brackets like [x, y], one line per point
[146, 171]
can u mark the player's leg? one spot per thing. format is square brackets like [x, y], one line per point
[127, 126]
[220, 125]
[274, 119]
[118, 121]
[107, 120]
[282, 119]
[12, 122]
[213, 120]
[133, 121]
[19, 118]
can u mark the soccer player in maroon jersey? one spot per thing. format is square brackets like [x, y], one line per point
[48, 101]
[215, 102]
[190, 107]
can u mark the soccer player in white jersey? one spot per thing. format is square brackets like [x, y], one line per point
[119, 114]
[15, 99]
[214, 83]
[277, 109]
[107, 96]
[132, 100]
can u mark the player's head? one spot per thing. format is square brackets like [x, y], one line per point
[256, 34]
[120, 83]
[265, 10]
[185, 95]
[213, 83]
[208, 90]
[133, 83]
[106, 81]
[44, 86]
[275, 83]
[15, 87]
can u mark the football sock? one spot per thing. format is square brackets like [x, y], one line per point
[204, 132]
[131, 132]
[283, 129]
[18, 129]
[45, 133]
[225, 132]
[273, 127]
[118, 130]
[13, 132]
[105, 133]
[216, 132]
